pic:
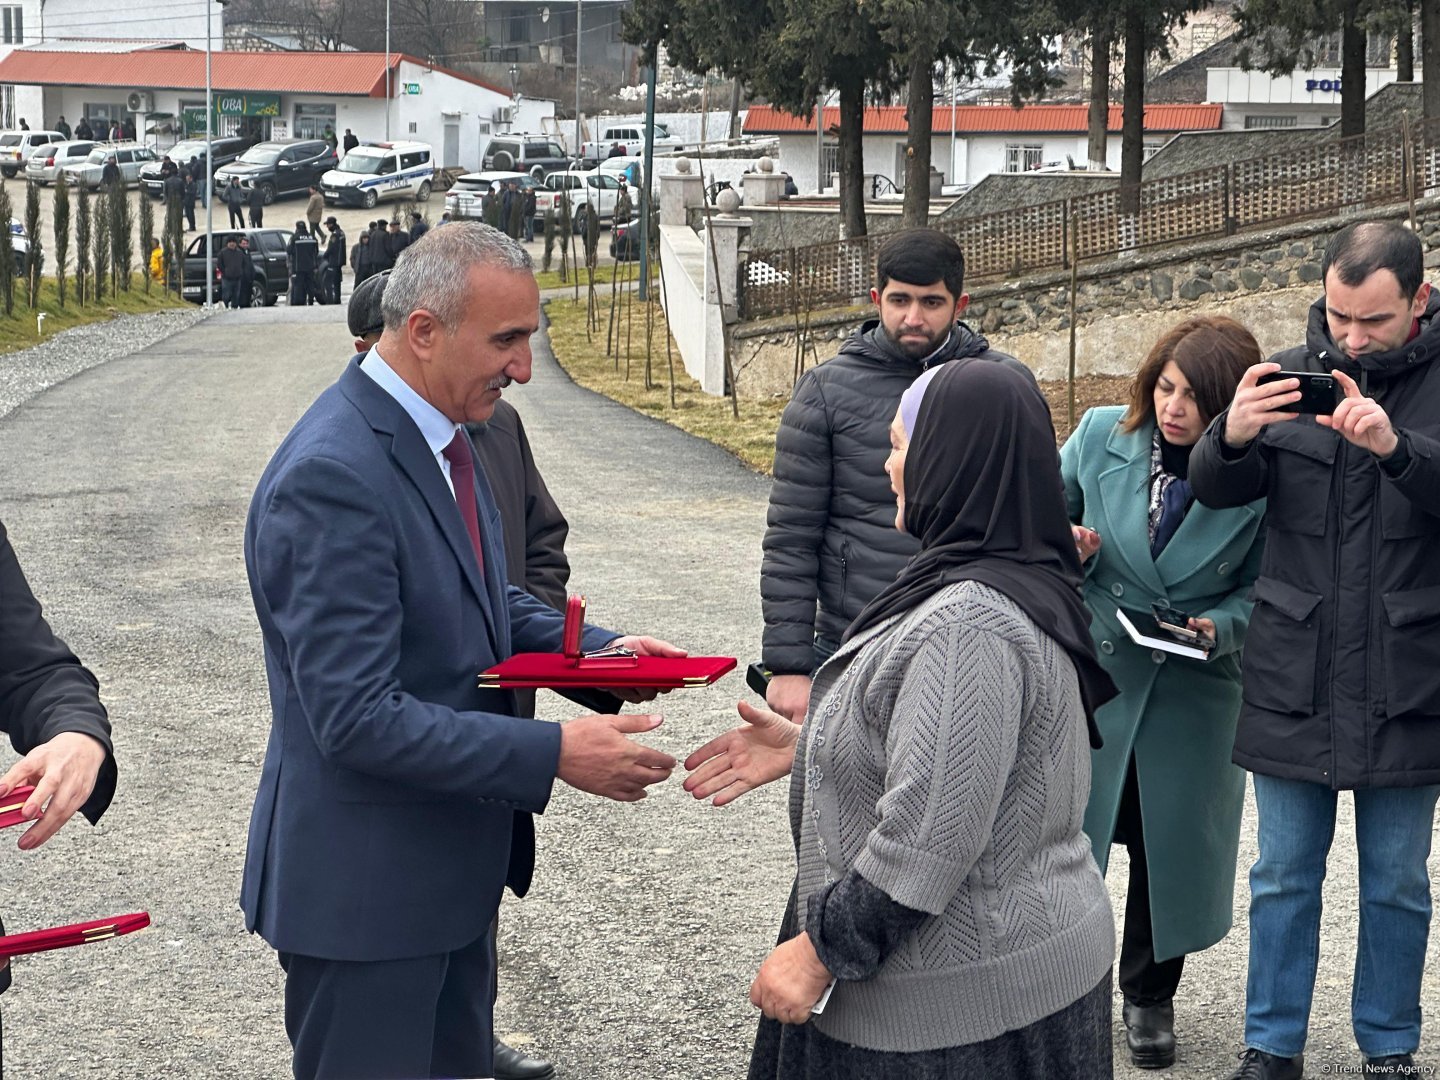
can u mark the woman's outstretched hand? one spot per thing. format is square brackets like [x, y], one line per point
[743, 759]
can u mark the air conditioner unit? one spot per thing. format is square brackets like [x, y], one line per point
[504, 114]
[140, 101]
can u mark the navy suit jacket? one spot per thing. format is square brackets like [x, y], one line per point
[395, 797]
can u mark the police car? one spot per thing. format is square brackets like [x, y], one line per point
[381, 170]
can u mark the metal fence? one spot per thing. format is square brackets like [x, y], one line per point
[1328, 177]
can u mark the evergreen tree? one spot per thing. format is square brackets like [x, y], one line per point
[60, 211]
[83, 276]
[7, 254]
[35, 263]
[147, 238]
[100, 243]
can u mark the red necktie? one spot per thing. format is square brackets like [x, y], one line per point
[462, 476]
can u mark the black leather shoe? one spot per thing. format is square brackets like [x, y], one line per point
[1258, 1065]
[1390, 1065]
[1150, 1034]
[511, 1064]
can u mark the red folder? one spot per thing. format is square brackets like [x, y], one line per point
[615, 668]
[63, 937]
[12, 804]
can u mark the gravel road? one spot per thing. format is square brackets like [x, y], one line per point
[130, 453]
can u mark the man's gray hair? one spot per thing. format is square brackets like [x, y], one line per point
[433, 273]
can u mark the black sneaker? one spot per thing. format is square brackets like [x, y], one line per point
[1258, 1065]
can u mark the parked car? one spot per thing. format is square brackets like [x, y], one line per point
[17, 146]
[223, 152]
[632, 138]
[375, 171]
[267, 252]
[20, 244]
[591, 191]
[44, 164]
[463, 199]
[538, 155]
[625, 241]
[129, 157]
[279, 167]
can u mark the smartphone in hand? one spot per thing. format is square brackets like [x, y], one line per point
[1318, 392]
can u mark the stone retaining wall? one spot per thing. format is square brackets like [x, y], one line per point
[1266, 280]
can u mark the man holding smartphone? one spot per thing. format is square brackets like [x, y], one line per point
[1342, 664]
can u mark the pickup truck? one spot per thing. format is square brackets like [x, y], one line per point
[590, 191]
[632, 138]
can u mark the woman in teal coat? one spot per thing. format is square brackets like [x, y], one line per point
[1163, 783]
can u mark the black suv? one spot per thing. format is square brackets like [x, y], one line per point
[267, 252]
[279, 167]
[224, 151]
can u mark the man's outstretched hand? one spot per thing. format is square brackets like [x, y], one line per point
[597, 757]
[63, 771]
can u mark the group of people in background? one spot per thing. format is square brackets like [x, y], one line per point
[952, 900]
[381, 243]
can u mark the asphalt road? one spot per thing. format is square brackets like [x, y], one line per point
[125, 489]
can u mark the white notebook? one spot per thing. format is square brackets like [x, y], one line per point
[1194, 652]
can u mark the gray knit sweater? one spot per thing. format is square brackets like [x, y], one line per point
[946, 761]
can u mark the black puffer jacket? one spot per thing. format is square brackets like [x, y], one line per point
[831, 538]
[1342, 661]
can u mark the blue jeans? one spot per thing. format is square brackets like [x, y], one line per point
[1392, 841]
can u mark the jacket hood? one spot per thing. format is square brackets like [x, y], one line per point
[1421, 349]
[872, 343]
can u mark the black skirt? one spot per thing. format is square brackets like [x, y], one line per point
[1074, 1043]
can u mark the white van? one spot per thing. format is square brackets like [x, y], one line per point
[17, 146]
[382, 170]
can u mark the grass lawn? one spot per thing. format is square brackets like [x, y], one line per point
[18, 331]
[751, 438]
[550, 279]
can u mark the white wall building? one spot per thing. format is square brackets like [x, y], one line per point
[1254, 99]
[986, 138]
[269, 95]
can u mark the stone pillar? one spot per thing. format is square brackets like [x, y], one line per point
[728, 232]
[679, 193]
[765, 186]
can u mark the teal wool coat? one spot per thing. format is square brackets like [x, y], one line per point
[1177, 716]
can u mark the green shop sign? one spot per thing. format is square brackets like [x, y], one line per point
[229, 104]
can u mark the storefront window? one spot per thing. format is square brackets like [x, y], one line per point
[311, 120]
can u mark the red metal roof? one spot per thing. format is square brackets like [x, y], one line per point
[979, 119]
[341, 73]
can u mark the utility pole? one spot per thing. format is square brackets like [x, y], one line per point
[389, 89]
[579, 20]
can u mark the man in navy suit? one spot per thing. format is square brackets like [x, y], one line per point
[396, 797]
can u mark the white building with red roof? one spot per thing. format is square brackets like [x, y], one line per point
[269, 94]
[968, 142]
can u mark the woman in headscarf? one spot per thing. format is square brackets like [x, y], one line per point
[939, 780]
[1163, 784]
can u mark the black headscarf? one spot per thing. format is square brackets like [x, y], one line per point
[984, 496]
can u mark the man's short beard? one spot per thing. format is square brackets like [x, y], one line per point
[915, 351]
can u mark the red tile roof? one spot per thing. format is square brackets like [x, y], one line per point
[979, 119]
[340, 73]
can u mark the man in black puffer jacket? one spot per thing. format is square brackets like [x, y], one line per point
[1342, 662]
[831, 542]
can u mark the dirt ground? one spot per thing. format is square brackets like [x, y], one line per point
[1090, 391]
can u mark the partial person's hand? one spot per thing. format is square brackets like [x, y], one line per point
[1361, 420]
[1255, 406]
[1087, 542]
[643, 646]
[743, 759]
[1204, 627]
[790, 981]
[789, 695]
[596, 756]
[63, 771]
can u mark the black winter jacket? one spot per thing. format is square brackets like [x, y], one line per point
[831, 542]
[1342, 661]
